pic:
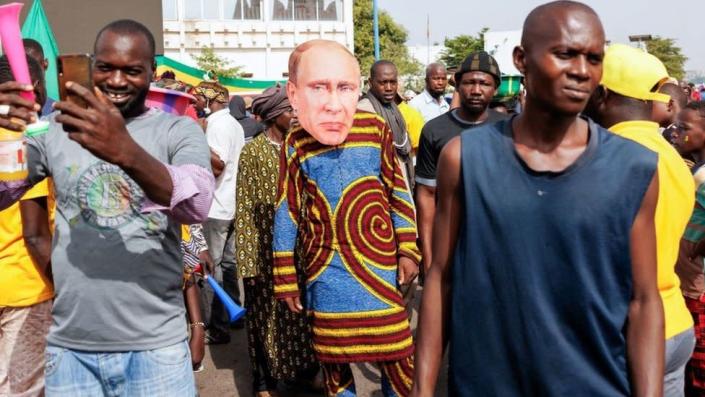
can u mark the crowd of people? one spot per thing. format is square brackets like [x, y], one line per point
[558, 244]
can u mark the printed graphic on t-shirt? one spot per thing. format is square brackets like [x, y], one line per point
[108, 197]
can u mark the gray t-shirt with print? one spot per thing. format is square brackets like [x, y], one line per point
[117, 271]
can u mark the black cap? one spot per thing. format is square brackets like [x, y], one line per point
[479, 61]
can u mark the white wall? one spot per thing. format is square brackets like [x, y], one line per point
[501, 45]
[261, 47]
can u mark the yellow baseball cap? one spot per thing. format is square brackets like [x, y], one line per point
[633, 73]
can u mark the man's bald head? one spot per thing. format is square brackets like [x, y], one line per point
[433, 68]
[127, 27]
[323, 89]
[329, 45]
[545, 21]
[436, 80]
[562, 46]
[35, 50]
[380, 65]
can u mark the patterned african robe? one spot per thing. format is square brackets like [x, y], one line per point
[281, 336]
[349, 209]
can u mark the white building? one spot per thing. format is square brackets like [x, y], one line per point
[258, 35]
[501, 46]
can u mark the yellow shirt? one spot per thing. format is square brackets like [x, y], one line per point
[676, 199]
[21, 283]
[414, 123]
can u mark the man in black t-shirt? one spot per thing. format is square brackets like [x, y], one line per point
[476, 82]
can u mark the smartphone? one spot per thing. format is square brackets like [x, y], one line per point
[76, 68]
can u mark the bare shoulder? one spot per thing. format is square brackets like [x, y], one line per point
[450, 155]
[449, 166]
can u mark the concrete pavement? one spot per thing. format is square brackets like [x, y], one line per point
[227, 370]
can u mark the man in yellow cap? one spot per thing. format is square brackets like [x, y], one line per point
[624, 103]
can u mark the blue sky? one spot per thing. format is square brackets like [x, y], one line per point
[683, 20]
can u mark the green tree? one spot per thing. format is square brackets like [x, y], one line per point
[458, 48]
[670, 54]
[392, 40]
[210, 62]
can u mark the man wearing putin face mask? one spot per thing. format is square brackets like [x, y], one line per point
[343, 199]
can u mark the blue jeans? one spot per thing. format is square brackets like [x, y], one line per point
[160, 372]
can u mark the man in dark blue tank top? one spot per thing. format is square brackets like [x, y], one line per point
[543, 274]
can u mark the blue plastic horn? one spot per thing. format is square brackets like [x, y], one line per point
[235, 312]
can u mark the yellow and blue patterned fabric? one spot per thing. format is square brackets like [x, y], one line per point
[349, 209]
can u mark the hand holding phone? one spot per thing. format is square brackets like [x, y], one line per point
[76, 68]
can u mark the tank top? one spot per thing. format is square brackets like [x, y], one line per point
[541, 279]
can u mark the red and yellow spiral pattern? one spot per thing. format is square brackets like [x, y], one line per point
[317, 233]
[366, 235]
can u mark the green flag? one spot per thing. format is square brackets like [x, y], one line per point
[37, 27]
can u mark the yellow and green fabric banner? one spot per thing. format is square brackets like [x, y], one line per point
[509, 87]
[193, 76]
